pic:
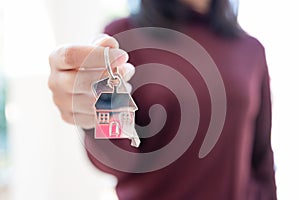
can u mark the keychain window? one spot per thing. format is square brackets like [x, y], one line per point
[104, 118]
[126, 117]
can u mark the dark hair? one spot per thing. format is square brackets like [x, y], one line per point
[221, 17]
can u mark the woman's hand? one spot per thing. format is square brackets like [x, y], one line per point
[71, 86]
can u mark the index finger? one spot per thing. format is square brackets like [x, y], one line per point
[75, 57]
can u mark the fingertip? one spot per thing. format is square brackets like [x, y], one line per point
[128, 87]
[129, 71]
[117, 57]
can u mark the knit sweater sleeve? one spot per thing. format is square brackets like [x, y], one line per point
[262, 157]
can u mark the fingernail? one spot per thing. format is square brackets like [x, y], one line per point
[99, 38]
[118, 56]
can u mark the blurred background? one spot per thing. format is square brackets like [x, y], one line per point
[41, 157]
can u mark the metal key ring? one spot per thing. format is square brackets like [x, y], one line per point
[107, 63]
[114, 81]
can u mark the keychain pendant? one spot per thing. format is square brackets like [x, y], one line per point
[114, 108]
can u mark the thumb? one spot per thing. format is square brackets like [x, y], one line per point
[105, 40]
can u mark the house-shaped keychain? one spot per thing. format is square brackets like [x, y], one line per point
[115, 115]
[114, 108]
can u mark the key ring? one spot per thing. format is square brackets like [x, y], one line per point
[114, 80]
[107, 63]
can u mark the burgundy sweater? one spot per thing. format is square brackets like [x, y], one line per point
[240, 165]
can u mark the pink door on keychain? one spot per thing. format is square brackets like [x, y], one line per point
[111, 130]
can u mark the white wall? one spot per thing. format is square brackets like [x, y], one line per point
[275, 24]
[48, 160]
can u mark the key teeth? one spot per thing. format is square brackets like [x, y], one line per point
[135, 142]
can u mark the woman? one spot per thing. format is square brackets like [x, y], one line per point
[240, 164]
